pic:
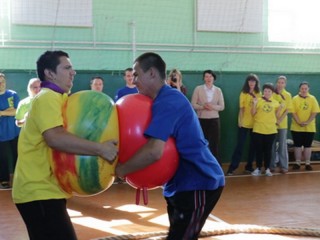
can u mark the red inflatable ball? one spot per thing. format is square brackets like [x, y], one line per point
[134, 113]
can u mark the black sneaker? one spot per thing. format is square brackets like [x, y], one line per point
[296, 167]
[248, 170]
[229, 173]
[119, 181]
[308, 167]
[5, 186]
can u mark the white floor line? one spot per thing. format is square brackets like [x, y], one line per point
[274, 174]
[216, 219]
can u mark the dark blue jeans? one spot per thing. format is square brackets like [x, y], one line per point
[237, 153]
[8, 158]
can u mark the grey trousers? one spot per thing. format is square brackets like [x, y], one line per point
[279, 155]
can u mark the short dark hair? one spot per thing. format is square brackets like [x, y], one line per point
[304, 83]
[96, 77]
[150, 59]
[268, 85]
[49, 60]
[127, 70]
[209, 72]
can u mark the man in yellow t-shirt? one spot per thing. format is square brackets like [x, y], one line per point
[36, 193]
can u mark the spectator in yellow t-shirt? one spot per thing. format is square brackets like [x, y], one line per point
[303, 125]
[24, 105]
[279, 154]
[266, 112]
[249, 92]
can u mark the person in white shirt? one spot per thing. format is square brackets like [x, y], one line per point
[208, 101]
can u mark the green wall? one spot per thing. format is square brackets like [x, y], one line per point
[123, 29]
[230, 83]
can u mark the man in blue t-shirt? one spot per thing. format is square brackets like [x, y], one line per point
[130, 87]
[196, 187]
[9, 133]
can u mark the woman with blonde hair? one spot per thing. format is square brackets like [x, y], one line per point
[175, 81]
[279, 148]
[24, 105]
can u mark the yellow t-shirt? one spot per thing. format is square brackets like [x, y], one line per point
[246, 102]
[33, 178]
[286, 101]
[304, 107]
[265, 118]
[23, 108]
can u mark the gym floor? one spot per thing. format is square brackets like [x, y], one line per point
[284, 200]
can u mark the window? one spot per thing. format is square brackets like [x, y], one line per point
[294, 21]
[77, 13]
[230, 15]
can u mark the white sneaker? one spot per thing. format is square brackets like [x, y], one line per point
[256, 172]
[268, 173]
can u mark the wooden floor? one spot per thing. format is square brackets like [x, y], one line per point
[291, 200]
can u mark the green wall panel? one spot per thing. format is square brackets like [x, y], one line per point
[124, 29]
[230, 83]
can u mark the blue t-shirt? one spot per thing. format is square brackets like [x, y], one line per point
[8, 128]
[173, 116]
[125, 91]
